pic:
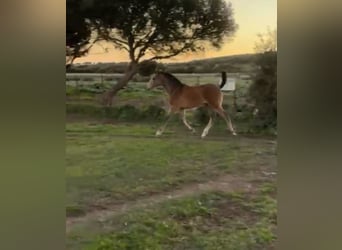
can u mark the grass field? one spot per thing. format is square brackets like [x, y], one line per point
[127, 189]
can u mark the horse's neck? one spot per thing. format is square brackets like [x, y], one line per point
[170, 87]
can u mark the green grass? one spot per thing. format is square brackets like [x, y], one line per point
[100, 166]
[123, 162]
[112, 163]
[213, 220]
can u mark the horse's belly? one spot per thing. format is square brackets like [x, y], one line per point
[194, 104]
[190, 98]
[191, 109]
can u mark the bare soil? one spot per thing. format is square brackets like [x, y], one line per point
[227, 183]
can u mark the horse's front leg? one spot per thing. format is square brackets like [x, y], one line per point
[183, 115]
[168, 118]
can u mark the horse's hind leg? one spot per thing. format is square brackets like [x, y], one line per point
[210, 123]
[226, 117]
[206, 129]
[183, 114]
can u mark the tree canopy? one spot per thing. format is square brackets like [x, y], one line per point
[78, 30]
[163, 28]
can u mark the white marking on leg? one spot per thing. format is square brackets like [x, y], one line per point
[231, 128]
[206, 129]
[159, 132]
[226, 117]
[186, 123]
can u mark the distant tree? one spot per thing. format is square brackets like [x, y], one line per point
[147, 68]
[191, 68]
[207, 67]
[267, 42]
[161, 67]
[159, 29]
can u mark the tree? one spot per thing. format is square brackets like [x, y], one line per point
[150, 30]
[267, 42]
[263, 90]
[78, 31]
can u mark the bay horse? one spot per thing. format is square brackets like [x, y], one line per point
[183, 97]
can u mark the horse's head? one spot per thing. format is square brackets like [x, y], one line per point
[155, 81]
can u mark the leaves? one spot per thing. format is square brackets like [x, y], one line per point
[162, 28]
[78, 30]
[264, 89]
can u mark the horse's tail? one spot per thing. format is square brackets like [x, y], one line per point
[223, 79]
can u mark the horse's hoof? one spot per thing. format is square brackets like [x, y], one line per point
[233, 132]
[159, 133]
[193, 131]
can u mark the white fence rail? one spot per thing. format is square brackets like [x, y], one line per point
[196, 78]
[176, 74]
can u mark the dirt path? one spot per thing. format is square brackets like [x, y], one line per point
[226, 183]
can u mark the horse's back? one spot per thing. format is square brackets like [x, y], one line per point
[210, 87]
[197, 95]
[210, 92]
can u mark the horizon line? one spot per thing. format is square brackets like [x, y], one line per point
[240, 54]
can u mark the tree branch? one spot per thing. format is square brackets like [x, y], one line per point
[152, 38]
[117, 40]
[105, 34]
[185, 47]
[120, 43]
[141, 41]
[131, 47]
[77, 52]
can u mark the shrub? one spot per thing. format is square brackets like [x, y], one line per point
[121, 113]
[128, 113]
[263, 90]
[154, 112]
[147, 68]
[88, 110]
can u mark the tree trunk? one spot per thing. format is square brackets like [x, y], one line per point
[131, 70]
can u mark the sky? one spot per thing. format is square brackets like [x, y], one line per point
[252, 17]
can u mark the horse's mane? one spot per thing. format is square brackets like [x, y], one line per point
[171, 78]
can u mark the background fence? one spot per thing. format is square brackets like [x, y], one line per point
[190, 79]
